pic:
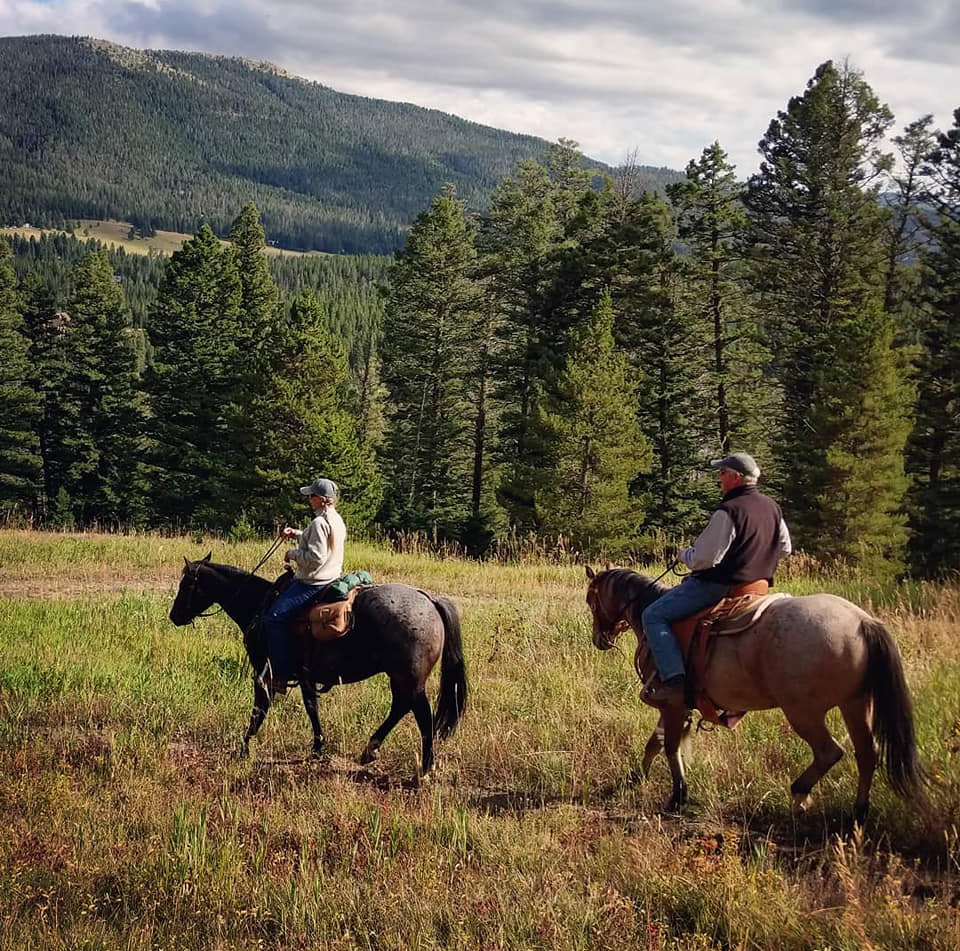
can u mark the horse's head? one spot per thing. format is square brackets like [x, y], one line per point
[191, 598]
[608, 620]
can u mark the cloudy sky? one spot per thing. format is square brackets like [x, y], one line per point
[664, 78]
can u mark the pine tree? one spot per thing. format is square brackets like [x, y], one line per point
[656, 328]
[595, 444]
[96, 417]
[191, 384]
[428, 353]
[865, 404]
[259, 295]
[259, 353]
[934, 449]
[711, 224]
[304, 428]
[20, 408]
[531, 235]
[49, 367]
[906, 235]
[817, 230]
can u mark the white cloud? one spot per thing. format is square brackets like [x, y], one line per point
[666, 79]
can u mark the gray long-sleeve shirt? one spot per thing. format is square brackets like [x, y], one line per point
[319, 555]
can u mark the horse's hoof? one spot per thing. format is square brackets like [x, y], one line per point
[802, 802]
[242, 752]
[420, 780]
[369, 755]
[318, 752]
[860, 814]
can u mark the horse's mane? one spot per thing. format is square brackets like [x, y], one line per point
[628, 586]
[237, 577]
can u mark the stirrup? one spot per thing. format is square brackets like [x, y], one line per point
[658, 694]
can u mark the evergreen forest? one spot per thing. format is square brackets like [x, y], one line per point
[171, 140]
[559, 365]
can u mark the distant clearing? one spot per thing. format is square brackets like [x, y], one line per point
[116, 234]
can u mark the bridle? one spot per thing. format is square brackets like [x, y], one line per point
[195, 580]
[193, 573]
[612, 627]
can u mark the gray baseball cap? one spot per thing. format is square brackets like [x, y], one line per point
[738, 462]
[323, 487]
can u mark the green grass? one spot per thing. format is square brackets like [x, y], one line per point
[128, 824]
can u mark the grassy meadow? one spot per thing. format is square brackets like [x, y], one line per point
[116, 234]
[127, 822]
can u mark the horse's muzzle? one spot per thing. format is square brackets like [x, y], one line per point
[604, 640]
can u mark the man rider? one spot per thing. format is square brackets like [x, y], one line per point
[743, 542]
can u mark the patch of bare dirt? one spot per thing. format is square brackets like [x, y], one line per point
[66, 589]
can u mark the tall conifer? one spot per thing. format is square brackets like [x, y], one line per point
[49, 367]
[711, 224]
[20, 407]
[817, 231]
[303, 428]
[533, 231]
[192, 382]
[657, 329]
[94, 422]
[934, 450]
[117, 417]
[595, 444]
[429, 350]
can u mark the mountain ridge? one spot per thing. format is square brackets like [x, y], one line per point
[169, 139]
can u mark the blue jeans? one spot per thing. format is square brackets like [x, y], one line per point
[687, 598]
[297, 596]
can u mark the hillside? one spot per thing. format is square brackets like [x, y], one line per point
[166, 140]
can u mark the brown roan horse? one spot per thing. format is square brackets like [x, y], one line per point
[804, 655]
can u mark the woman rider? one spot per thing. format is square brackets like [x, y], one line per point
[317, 560]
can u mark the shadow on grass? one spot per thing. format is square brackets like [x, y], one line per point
[275, 773]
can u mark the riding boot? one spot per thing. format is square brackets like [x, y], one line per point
[669, 693]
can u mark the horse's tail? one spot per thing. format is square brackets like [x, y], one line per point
[453, 671]
[893, 728]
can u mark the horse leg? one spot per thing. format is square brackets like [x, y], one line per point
[308, 690]
[399, 707]
[424, 715]
[262, 698]
[856, 715]
[826, 752]
[673, 720]
[654, 745]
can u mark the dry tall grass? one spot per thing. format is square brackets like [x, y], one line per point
[128, 824]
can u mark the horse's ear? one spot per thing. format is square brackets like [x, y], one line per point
[209, 553]
[591, 574]
[186, 561]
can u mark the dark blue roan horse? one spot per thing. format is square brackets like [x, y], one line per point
[397, 630]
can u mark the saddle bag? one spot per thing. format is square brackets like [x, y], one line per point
[328, 621]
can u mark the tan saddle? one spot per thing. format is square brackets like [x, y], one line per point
[735, 613]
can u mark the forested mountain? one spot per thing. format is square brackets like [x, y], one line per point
[557, 367]
[171, 140]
